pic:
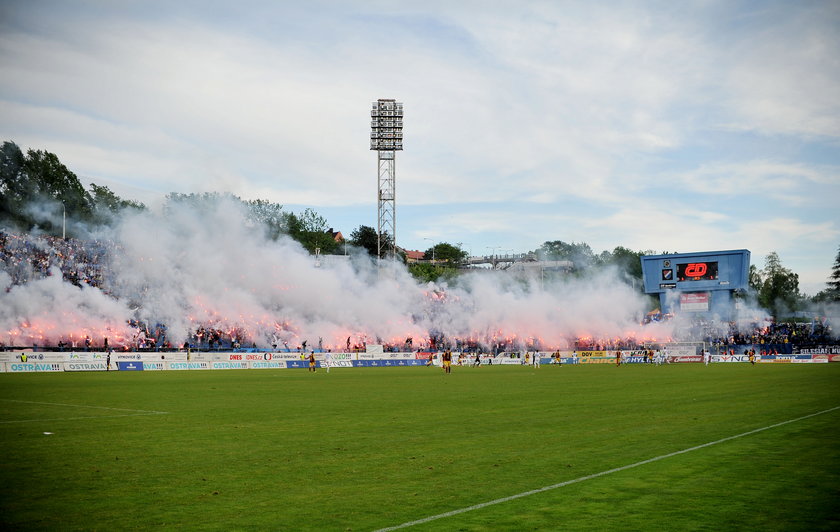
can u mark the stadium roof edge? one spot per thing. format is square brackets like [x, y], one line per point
[696, 253]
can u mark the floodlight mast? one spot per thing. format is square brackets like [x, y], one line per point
[386, 136]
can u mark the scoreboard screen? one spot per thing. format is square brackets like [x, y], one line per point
[697, 271]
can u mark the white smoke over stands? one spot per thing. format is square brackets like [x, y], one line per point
[46, 310]
[209, 267]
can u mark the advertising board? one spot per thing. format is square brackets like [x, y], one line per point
[686, 358]
[730, 358]
[28, 367]
[597, 360]
[694, 301]
[267, 364]
[592, 353]
[180, 366]
[229, 365]
[85, 366]
[134, 365]
[825, 350]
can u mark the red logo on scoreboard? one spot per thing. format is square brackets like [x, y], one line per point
[697, 269]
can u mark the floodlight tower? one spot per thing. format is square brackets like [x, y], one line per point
[386, 136]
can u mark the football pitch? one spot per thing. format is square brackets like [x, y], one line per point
[587, 447]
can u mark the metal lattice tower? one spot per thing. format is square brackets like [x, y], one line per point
[386, 139]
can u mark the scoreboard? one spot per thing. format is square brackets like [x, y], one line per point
[697, 282]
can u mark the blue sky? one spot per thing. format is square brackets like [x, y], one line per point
[678, 126]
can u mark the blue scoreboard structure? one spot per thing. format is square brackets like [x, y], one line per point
[702, 282]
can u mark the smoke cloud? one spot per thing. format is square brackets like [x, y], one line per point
[191, 267]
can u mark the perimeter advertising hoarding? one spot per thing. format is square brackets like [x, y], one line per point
[694, 301]
[27, 367]
[85, 366]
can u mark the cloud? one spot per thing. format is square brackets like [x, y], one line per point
[612, 112]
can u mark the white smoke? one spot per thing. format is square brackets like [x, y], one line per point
[209, 267]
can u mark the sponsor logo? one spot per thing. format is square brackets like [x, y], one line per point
[84, 366]
[697, 269]
[687, 358]
[130, 366]
[730, 358]
[258, 356]
[188, 365]
[592, 353]
[828, 350]
[229, 365]
[268, 364]
[597, 360]
[286, 356]
[29, 366]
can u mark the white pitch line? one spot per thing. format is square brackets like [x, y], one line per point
[85, 406]
[80, 417]
[596, 475]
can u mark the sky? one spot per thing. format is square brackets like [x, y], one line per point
[661, 126]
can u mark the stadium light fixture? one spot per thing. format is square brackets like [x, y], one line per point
[386, 138]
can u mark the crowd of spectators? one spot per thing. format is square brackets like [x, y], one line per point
[27, 257]
[817, 332]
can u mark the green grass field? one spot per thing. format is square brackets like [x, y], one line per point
[369, 448]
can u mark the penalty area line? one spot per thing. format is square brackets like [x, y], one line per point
[596, 475]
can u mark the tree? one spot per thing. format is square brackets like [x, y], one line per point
[579, 253]
[365, 237]
[57, 183]
[780, 286]
[628, 263]
[755, 281]
[832, 292]
[446, 252]
[834, 282]
[269, 215]
[311, 230]
[106, 204]
[16, 189]
[425, 272]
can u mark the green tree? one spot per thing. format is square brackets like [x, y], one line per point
[628, 263]
[834, 278]
[16, 189]
[446, 252]
[755, 280]
[56, 182]
[311, 230]
[780, 286]
[107, 204]
[365, 237]
[832, 291]
[269, 215]
[580, 254]
[425, 272]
